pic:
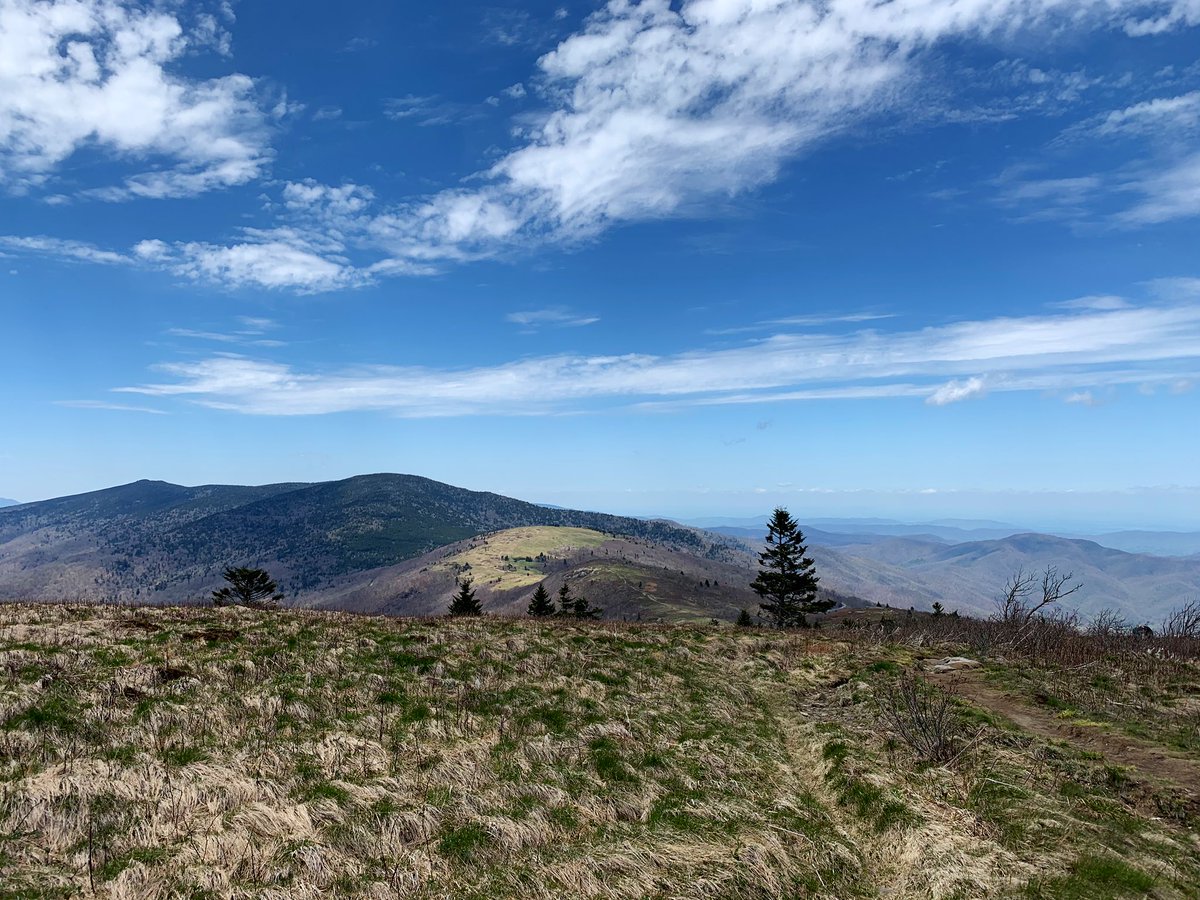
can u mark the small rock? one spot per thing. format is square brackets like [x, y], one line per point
[953, 664]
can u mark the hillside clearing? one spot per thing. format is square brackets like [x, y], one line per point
[516, 557]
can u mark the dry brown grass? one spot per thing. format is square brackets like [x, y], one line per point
[229, 753]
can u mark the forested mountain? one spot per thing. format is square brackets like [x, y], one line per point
[163, 542]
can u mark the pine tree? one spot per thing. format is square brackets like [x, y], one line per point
[464, 602]
[585, 610]
[787, 583]
[541, 604]
[744, 620]
[570, 607]
[248, 587]
[566, 603]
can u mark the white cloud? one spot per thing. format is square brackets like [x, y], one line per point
[1037, 353]
[62, 249]
[274, 260]
[1167, 17]
[113, 407]
[1176, 290]
[307, 256]
[1163, 178]
[954, 391]
[256, 324]
[81, 74]
[1178, 114]
[241, 337]
[428, 111]
[802, 321]
[557, 316]
[655, 109]
[660, 109]
[1170, 192]
[1081, 398]
[1095, 301]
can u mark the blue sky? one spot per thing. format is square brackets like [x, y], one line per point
[919, 259]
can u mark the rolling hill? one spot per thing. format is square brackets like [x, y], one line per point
[1159, 543]
[157, 542]
[969, 576]
[632, 579]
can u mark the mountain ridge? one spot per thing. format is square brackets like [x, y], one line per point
[153, 541]
[969, 576]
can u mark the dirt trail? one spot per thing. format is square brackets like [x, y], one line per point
[1150, 760]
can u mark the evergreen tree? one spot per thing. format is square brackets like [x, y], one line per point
[464, 602]
[744, 620]
[787, 583]
[571, 607]
[566, 603]
[248, 587]
[584, 610]
[541, 604]
[938, 609]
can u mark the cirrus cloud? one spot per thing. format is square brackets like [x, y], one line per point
[1064, 352]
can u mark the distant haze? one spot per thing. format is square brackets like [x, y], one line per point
[1076, 512]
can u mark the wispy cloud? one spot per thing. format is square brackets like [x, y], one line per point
[246, 338]
[112, 407]
[803, 322]
[1081, 398]
[101, 73]
[655, 110]
[954, 391]
[1097, 302]
[1158, 182]
[1166, 193]
[510, 27]
[275, 259]
[58, 248]
[428, 111]
[664, 108]
[941, 364]
[553, 316]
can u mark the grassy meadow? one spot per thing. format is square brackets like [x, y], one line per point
[222, 753]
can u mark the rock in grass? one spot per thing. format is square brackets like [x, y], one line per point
[952, 664]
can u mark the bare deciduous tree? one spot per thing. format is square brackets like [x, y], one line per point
[1016, 605]
[1013, 602]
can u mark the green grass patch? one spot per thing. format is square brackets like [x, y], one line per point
[464, 843]
[1093, 876]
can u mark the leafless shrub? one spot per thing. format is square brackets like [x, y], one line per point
[1108, 623]
[1183, 622]
[922, 716]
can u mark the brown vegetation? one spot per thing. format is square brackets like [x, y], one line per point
[235, 753]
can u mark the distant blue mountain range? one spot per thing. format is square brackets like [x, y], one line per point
[841, 532]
